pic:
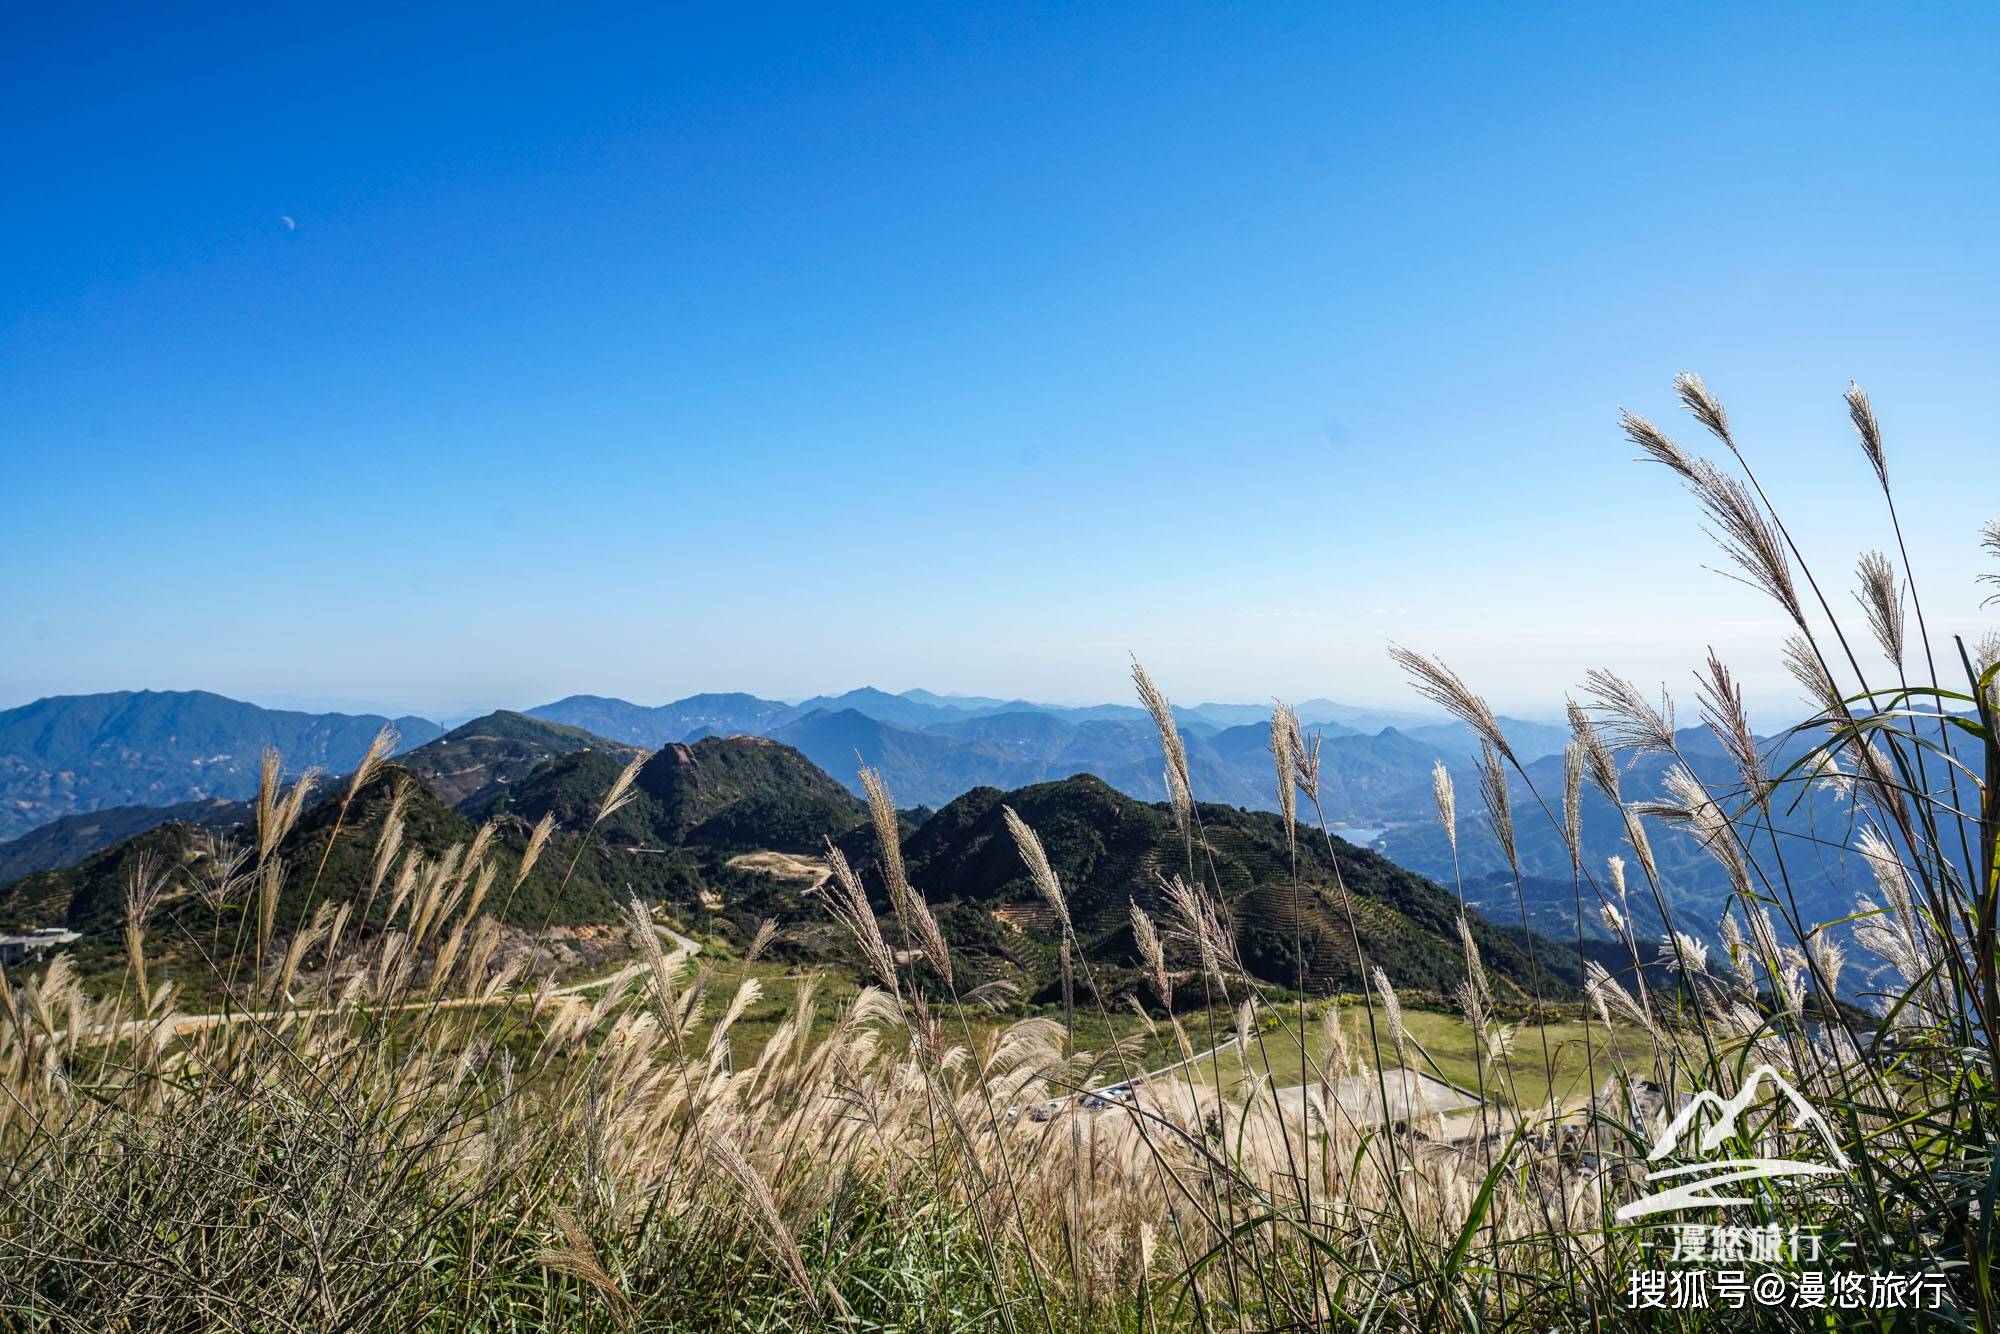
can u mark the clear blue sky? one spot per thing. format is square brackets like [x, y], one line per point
[787, 350]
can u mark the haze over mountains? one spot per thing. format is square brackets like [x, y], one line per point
[75, 754]
[730, 830]
[79, 773]
[931, 748]
[80, 754]
[109, 769]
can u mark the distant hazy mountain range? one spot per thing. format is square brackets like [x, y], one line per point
[88, 755]
[727, 831]
[931, 748]
[104, 770]
[76, 754]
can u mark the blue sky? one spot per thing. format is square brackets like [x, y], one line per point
[365, 357]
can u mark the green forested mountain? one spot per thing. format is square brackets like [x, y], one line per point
[470, 765]
[695, 811]
[733, 794]
[68, 840]
[1289, 910]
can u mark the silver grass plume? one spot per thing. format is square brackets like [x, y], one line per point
[620, 794]
[1608, 995]
[1152, 954]
[1984, 655]
[1684, 952]
[1692, 807]
[1340, 1059]
[389, 841]
[1499, 809]
[1722, 709]
[1197, 923]
[1180, 790]
[1246, 1026]
[1445, 688]
[1573, 763]
[538, 839]
[1597, 761]
[1747, 536]
[1740, 955]
[1803, 662]
[1284, 734]
[1394, 1010]
[1630, 721]
[267, 804]
[909, 905]
[1654, 441]
[1881, 597]
[577, 1258]
[1619, 916]
[378, 750]
[1862, 413]
[757, 1192]
[145, 884]
[1828, 958]
[1642, 847]
[848, 902]
[1894, 930]
[1029, 844]
[1305, 759]
[1447, 802]
[1474, 995]
[475, 856]
[1704, 406]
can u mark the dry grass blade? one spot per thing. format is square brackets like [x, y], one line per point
[771, 1230]
[577, 1257]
